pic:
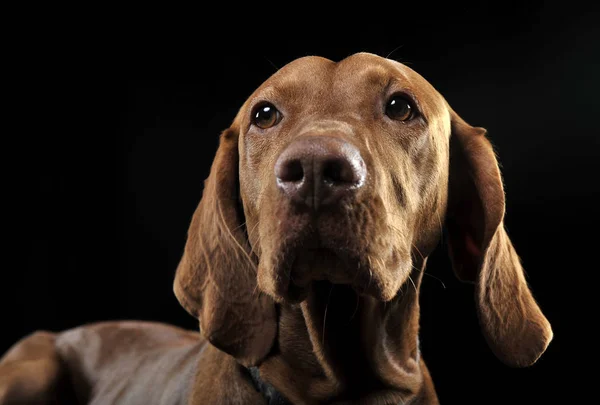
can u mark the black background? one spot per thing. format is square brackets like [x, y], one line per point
[119, 117]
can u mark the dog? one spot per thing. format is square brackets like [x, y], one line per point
[305, 256]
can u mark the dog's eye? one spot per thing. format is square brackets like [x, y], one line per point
[266, 116]
[399, 108]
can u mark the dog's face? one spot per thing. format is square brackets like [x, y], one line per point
[364, 146]
[347, 172]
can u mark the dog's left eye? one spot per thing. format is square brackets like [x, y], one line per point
[266, 116]
[399, 108]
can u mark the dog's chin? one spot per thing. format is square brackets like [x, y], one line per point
[297, 272]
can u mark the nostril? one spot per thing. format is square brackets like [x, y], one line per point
[333, 172]
[341, 172]
[294, 171]
[291, 171]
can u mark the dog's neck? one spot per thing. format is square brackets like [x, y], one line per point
[349, 348]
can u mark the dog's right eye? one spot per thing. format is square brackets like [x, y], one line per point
[265, 116]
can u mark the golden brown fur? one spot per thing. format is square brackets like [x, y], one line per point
[324, 303]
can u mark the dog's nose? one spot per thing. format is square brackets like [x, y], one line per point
[316, 171]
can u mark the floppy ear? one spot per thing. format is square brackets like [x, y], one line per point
[481, 252]
[216, 278]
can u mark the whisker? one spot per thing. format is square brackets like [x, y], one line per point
[441, 228]
[413, 283]
[381, 263]
[395, 49]
[437, 278]
[254, 228]
[235, 241]
[418, 251]
[400, 232]
[325, 315]
[272, 64]
[239, 226]
[370, 271]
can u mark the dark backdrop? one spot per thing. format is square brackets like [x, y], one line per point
[121, 115]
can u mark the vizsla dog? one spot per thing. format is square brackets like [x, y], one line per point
[305, 256]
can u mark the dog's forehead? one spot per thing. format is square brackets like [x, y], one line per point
[363, 67]
[362, 73]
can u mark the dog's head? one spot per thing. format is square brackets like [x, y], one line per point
[347, 172]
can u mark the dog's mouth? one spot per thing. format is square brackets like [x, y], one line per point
[318, 260]
[318, 263]
[350, 245]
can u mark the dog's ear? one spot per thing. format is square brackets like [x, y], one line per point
[216, 278]
[481, 252]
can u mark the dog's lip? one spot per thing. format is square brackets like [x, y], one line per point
[301, 276]
[306, 265]
[318, 262]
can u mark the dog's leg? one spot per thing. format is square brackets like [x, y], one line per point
[30, 371]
